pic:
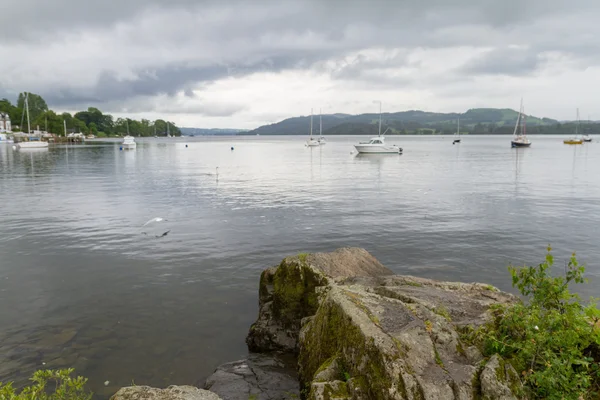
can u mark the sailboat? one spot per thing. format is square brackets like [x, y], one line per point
[457, 134]
[36, 144]
[168, 133]
[575, 139]
[520, 139]
[587, 137]
[128, 141]
[311, 142]
[321, 137]
[377, 144]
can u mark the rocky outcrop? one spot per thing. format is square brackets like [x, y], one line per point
[362, 333]
[258, 377]
[288, 293]
[170, 393]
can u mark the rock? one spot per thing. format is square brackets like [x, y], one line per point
[258, 377]
[499, 380]
[287, 293]
[361, 332]
[171, 393]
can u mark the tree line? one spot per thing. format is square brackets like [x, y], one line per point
[92, 121]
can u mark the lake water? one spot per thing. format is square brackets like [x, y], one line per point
[80, 285]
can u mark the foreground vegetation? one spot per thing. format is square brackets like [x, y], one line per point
[49, 385]
[91, 121]
[552, 339]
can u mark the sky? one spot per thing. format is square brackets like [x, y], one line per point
[246, 63]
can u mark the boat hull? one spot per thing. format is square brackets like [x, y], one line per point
[587, 140]
[371, 149]
[312, 143]
[456, 141]
[128, 146]
[32, 145]
[573, 142]
[519, 144]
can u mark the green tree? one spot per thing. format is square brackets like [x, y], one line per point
[552, 339]
[37, 105]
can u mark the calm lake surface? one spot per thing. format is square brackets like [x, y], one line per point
[80, 285]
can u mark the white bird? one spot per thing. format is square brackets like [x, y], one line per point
[157, 219]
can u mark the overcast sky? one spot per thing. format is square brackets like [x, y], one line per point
[247, 63]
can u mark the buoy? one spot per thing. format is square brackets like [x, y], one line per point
[186, 145]
[120, 148]
[231, 148]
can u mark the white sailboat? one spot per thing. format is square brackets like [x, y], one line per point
[321, 137]
[36, 144]
[128, 141]
[457, 134]
[377, 144]
[520, 139]
[311, 142]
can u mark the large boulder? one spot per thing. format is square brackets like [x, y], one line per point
[170, 393]
[288, 293]
[397, 338]
[361, 332]
[259, 377]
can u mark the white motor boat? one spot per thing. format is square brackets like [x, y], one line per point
[377, 145]
[587, 138]
[35, 144]
[128, 143]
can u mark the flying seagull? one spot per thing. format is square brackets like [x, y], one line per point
[157, 219]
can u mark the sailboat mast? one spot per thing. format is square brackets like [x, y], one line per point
[27, 108]
[168, 131]
[458, 126]
[320, 123]
[380, 118]
[524, 130]
[311, 119]
[65, 126]
[127, 123]
[577, 124]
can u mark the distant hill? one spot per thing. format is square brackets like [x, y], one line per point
[476, 120]
[212, 131]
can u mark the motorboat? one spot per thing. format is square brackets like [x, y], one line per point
[128, 143]
[377, 145]
[519, 138]
[587, 138]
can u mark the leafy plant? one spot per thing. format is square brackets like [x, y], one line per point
[49, 385]
[552, 339]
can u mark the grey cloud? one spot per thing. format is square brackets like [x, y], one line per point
[505, 61]
[163, 47]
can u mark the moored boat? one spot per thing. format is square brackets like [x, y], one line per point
[520, 133]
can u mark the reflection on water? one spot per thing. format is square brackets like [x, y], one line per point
[80, 285]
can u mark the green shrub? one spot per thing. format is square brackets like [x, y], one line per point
[551, 339]
[49, 385]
